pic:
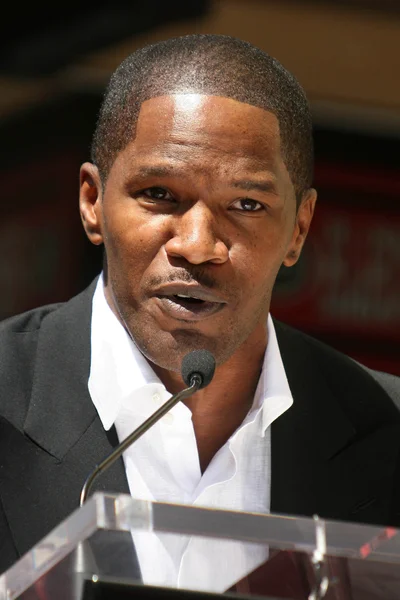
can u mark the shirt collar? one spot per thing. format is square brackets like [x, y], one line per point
[119, 370]
[273, 393]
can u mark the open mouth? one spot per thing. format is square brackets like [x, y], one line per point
[185, 307]
[187, 301]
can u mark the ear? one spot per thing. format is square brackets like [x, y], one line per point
[90, 202]
[303, 221]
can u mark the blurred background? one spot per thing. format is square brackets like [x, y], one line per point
[54, 67]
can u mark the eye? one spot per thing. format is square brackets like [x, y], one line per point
[248, 205]
[157, 193]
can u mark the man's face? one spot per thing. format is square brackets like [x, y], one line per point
[197, 216]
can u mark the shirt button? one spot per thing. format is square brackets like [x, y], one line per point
[156, 398]
[168, 418]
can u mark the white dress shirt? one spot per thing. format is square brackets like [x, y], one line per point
[163, 465]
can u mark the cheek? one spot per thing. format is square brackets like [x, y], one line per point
[132, 240]
[258, 262]
[260, 256]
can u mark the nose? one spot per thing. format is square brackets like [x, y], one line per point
[195, 237]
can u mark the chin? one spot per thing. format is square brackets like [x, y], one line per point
[167, 350]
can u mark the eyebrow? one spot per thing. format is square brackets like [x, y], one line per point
[267, 185]
[250, 184]
[157, 171]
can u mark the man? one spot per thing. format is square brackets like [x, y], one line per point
[200, 188]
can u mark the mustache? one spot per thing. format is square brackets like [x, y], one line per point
[193, 275]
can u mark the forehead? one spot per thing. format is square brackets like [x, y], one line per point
[210, 135]
[205, 120]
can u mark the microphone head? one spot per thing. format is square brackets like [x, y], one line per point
[199, 362]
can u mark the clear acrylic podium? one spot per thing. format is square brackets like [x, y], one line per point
[95, 554]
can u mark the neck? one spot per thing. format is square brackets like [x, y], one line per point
[220, 408]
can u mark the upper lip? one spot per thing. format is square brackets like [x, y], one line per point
[194, 290]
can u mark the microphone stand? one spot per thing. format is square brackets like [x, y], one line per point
[196, 382]
[197, 371]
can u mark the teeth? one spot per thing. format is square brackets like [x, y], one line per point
[183, 296]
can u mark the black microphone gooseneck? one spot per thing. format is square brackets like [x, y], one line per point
[197, 371]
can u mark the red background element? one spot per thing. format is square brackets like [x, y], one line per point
[346, 288]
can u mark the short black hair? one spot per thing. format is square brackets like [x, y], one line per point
[216, 65]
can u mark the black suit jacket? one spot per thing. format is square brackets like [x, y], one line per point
[334, 452]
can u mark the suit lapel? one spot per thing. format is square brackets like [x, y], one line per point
[64, 438]
[60, 410]
[334, 451]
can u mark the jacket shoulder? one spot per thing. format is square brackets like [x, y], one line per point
[345, 376]
[27, 322]
[19, 338]
[389, 382]
[18, 343]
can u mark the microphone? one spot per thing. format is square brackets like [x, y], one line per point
[198, 364]
[197, 371]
